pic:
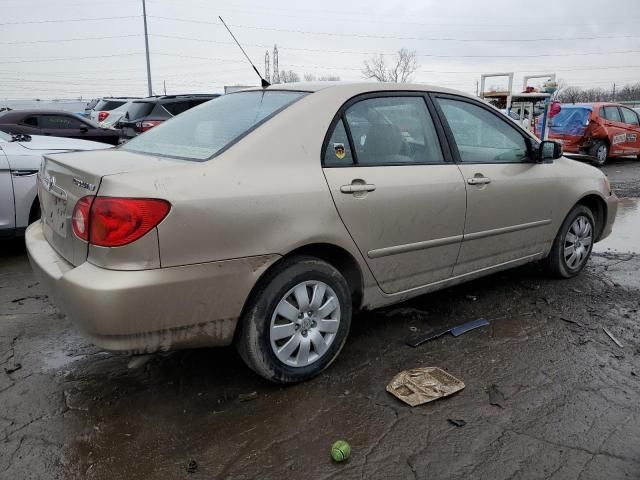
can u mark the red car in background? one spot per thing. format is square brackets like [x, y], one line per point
[599, 130]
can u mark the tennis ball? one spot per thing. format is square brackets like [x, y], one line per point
[340, 451]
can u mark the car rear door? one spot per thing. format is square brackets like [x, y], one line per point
[632, 129]
[396, 189]
[63, 126]
[510, 198]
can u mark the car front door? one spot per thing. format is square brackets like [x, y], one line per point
[510, 197]
[64, 126]
[396, 189]
[632, 130]
[7, 205]
[616, 131]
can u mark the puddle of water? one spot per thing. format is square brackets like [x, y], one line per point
[626, 229]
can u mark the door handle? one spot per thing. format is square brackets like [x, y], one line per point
[478, 180]
[357, 187]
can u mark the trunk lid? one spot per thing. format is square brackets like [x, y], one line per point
[65, 178]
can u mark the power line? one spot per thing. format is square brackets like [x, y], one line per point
[73, 58]
[70, 39]
[69, 20]
[430, 55]
[387, 37]
[347, 16]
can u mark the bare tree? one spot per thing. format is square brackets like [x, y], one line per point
[289, 77]
[570, 95]
[310, 77]
[400, 70]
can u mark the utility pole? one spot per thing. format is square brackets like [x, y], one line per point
[164, 84]
[614, 91]
[146, 44]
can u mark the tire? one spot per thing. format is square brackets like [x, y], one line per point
[283, 360]
[599, 151]
[560, 262]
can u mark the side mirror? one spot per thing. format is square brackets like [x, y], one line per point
[549, 150]
[84, 128]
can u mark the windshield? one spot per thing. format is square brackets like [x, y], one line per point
[203, 131]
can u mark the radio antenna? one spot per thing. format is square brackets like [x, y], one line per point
[263, 82]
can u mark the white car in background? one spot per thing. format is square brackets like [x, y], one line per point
[20, 157]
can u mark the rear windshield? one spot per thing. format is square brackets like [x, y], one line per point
[201, 132]
[108, 105]
[139, 109]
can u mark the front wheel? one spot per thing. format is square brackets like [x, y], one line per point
[296, 322]
[600, 152]
[573, 244]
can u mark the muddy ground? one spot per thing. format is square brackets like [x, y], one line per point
[568, 398]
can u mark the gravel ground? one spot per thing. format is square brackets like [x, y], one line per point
[568, 395]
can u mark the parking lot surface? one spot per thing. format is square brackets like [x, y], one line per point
[565, 395]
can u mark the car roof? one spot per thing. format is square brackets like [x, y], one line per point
[185, 96]
[20, 113]
[358, 87]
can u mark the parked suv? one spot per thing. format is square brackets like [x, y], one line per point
[145, 114]
[102, 108]
[600, 130]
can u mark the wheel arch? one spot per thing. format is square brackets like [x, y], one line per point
[598, 208]
[334, 255]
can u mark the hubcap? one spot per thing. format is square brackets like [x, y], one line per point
[305, 323]
[602, 153]
[578, 242]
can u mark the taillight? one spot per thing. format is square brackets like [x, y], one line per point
[102, 116]
[80, 219]
[148, 125]
[114, 221]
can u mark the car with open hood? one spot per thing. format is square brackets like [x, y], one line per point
[267, 217]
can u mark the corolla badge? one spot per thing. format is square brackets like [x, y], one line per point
[82, 184]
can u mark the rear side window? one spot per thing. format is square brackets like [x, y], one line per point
[139, 110]
[338, 152]
[393, 131]
[107, 105]
[481, 136]
[629, 116]
[611, 113]
[203, 131]
[174, 108]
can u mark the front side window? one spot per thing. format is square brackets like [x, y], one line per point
[203, 131]
[611, 113]
[481, 136]
[629, 116]
[31, 121]
[393, 131]
[338, 152]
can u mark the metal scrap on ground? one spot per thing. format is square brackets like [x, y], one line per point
[615, 340]
[422, 385]
[418, 340]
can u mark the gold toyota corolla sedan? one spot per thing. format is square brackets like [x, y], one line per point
[266, 217]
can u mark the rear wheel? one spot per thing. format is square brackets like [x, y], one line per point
[600, 152]
[573, 244]
[296, 322]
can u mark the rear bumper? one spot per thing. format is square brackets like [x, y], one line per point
[148, 310]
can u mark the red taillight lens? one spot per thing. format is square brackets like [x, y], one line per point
[148, 124]
[102, 116]
[80, 219]
[114, 221]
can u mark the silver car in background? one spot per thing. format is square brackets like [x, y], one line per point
[266, 217]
